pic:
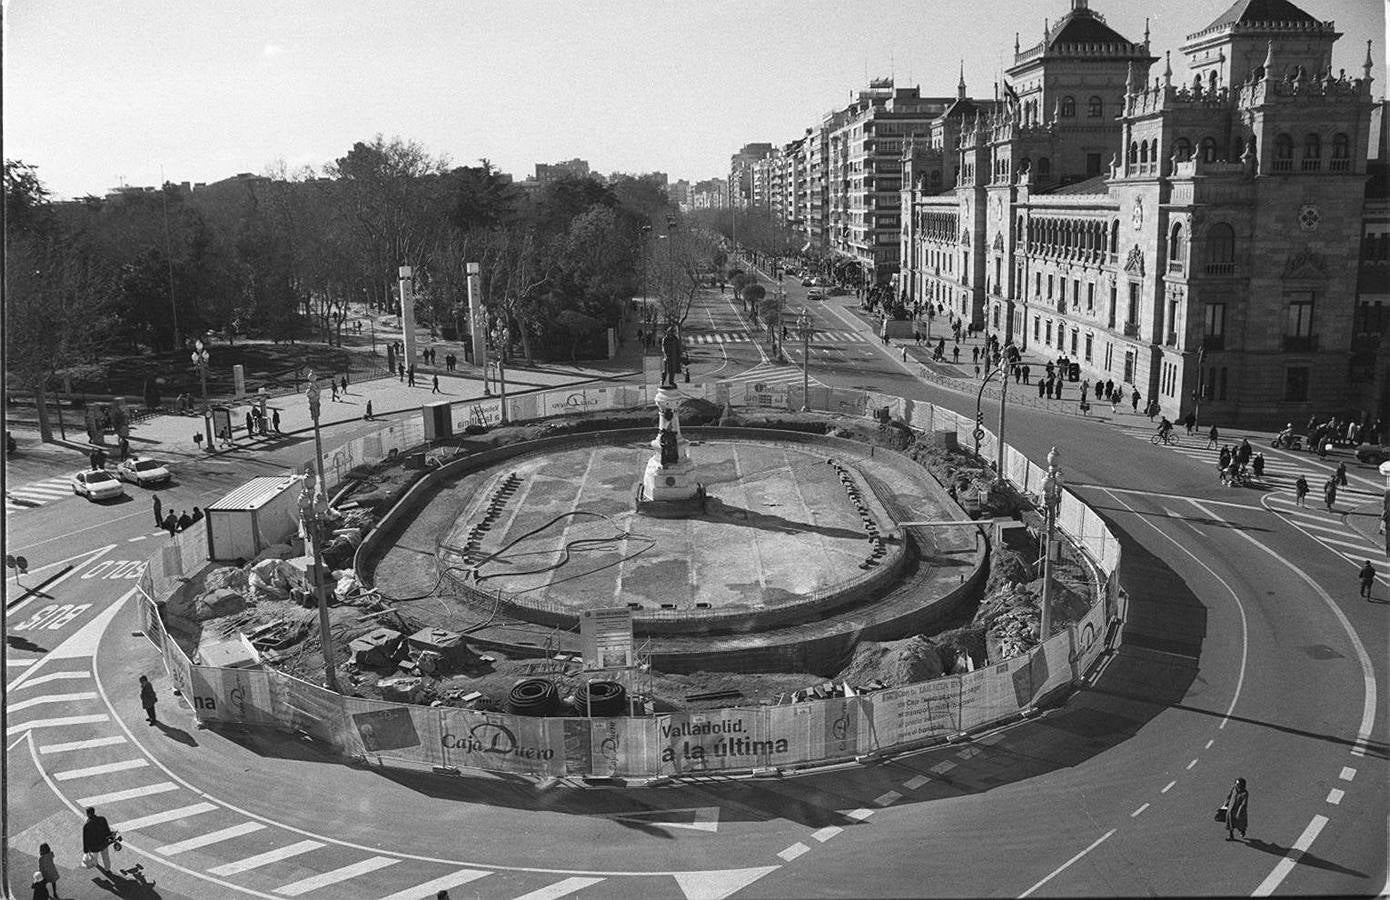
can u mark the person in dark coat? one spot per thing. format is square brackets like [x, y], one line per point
[148, 700]
[275, 421]
[1190, 421]
[1368, 578]
[158, 511]
[96, 837]
[367, 416]
[1329, 493]
[1342, 474]
[185, 521]
[1300, 490]
[171, 523]
[1237, 810]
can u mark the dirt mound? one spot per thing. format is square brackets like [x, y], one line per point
[894, 663]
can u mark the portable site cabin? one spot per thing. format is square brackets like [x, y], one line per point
[262, 512]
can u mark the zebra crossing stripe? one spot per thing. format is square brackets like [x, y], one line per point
[560, 889]
[212, 837]
[323, 879]
[442, 883]
[168, 815]
[103, 769]
[265, 859]
[162, 787]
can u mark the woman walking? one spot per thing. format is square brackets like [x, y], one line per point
[1237, 810]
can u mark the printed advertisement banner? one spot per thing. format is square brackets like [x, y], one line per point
[237, 696]
[503, 743]
[915, 712]
[827, 729]
[710, 740]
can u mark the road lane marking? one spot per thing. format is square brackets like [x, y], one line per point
[19, 663]
[87, 558]
[103, 769]
[915, 782]
[52, 698]
[266, 858]
[888, 799]
[143, 537]
[1335, 796]
[55, 676]
[160, 787]
[861, 813]
[1368, 676]
[59, 722]
[1138, 811]
[942, 767]
[1167, 787]
[1191, 764]
[826, 833]
[212, 837]
[1057, 871]
[794, 851]
[560, 889]
[168, 815]
[1347, 774]
[1209, 743]
[82, 745]
[323, 879]
[1292, 858]
[442, 883]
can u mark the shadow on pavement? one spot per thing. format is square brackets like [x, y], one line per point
[1306, 859]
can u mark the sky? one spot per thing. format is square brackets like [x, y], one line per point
[98, 94]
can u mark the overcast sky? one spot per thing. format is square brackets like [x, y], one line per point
[119, 91]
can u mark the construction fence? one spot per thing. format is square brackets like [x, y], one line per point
[726, 740]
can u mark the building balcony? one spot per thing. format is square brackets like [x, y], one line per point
[1214, 342]
[1281, 165]
[1339, 165]
[1221, 268]
[1300, 343]
[1175, 267]
[1131, 329]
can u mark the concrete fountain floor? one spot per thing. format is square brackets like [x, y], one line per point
[778, 528]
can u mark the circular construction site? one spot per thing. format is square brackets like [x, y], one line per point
[794, 553]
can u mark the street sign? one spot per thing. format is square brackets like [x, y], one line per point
[605, 636]
[979, 434]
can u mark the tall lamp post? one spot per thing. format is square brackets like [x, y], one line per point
[201, 357]
[803, 330]
[1002, 370]
[1052, 498]
[313, 507]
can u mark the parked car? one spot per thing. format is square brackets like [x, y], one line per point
[815, 294]
[389, 322]
[1374, 454]
[98, 485]
[807, 282]
[143, 472]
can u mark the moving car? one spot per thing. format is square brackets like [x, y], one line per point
[98, 485]
[807, 282]
[1374, 454]
[815, 294]
[143, 472]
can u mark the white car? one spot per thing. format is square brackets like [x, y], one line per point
[98, 485]
[143, 472]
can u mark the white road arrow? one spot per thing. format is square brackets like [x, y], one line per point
[717, 884]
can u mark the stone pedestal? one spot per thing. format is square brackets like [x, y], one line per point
[670, 481]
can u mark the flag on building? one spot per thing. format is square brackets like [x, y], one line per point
[1010, 95]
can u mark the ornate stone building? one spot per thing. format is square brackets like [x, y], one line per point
[1209, 242]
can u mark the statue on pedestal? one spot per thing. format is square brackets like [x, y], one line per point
[670, 357]
[670, 451]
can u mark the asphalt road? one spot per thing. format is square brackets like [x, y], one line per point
[1247, 653]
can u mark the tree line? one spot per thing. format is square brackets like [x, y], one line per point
[282, 255]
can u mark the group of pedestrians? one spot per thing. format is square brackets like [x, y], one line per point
[174, 523]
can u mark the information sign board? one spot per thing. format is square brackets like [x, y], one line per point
[606, 638]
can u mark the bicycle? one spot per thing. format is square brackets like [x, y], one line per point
[1169, 439]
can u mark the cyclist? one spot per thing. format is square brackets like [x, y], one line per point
[1165, 428]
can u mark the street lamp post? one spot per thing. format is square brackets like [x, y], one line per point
[313, 507]
[1052, 498]
[804, 328]
[201, 357]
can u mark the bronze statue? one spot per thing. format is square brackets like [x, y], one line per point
[670, 451]
[671, 357]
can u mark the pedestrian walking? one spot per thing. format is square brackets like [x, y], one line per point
[1134, 399]
[904, 350]
[400, 370]
[1342, 473]
[1213, 438]
[1368, 577]
[92, 459]
[275, 421]
[1300, 491]
[125, 449]
[343, 384]
[1236, 810]
[158, 511]
[410, 376]
[1025, 373]
[48, 869]
[955, 354]
[170, 523]
[148, 700]
[333, 385]
[367, 416]
[1329, 493]
[1042, 386]
[435, 389]
[1190, 421]
[39, 887]
[1258, 464]
[96, 838]
[250, 425]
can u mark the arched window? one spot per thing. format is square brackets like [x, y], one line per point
[1341, 147]
[1115, 236]
[1068, 107]
[1044, 168]
[1283, 147]
[1208, 149]
[1312, 147]
[1221, 245]
[1094, 108]
[1211, 82]
[1182, 149]
[1143, 152]
[1133, 153]
[1175, 244]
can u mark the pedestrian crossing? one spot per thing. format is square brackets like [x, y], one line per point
[87, 760]
[768, 373]
[1328, 527]
[37, 494]
[744, 337]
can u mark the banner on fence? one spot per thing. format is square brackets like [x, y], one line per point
[563, 403]
[821, 730]
[992, 694]
[502, 743]
[711, 740]
[301, 706]
[768, 396]
[234, 696]
[915, 712]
